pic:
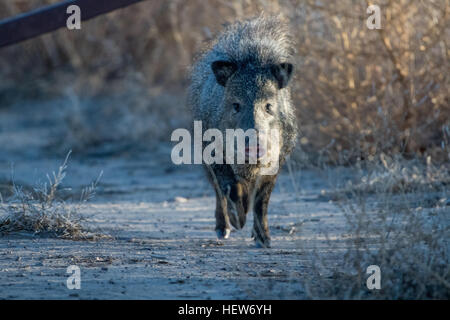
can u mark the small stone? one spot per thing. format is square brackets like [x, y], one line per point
[180, 199]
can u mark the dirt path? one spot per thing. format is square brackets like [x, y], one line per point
[161, 218]
[164, 246]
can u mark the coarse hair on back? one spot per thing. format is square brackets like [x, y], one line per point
[260, 41]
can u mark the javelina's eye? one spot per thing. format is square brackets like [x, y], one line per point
[236, 107]
[269, 108]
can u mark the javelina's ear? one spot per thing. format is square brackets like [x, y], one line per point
[223, 70]
[282, 73]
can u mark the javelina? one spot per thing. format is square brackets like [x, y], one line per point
[241, 81]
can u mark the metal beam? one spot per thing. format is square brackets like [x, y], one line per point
[49, 18]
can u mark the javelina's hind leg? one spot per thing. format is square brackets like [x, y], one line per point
[260, 224]
[222, 220]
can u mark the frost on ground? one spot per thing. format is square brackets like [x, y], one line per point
[41, 211]
[163, 245]
[163, 241]
[327, 226]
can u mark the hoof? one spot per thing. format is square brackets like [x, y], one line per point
[223, 234]
[262, 243]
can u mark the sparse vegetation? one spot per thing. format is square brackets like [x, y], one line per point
[374, 101]
[358, 92]
[397, 217]
[41, 211]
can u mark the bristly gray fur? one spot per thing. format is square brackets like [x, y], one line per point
[261, 41]
[249, 66]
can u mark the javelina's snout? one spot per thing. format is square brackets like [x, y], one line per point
[255, 149]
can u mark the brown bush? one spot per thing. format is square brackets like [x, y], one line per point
[359, 92]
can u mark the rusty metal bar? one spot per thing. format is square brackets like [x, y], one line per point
[49, 18]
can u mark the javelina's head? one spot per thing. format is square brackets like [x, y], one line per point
[254, 98]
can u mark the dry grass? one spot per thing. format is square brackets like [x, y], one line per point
[376, 99]
[393, 176]
[397, 217]
[42, 212]
[363, 92]
[358, 92]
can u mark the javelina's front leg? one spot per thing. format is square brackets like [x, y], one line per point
[237, 196]
[219, 176]
[261, 204]
[222, 220]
